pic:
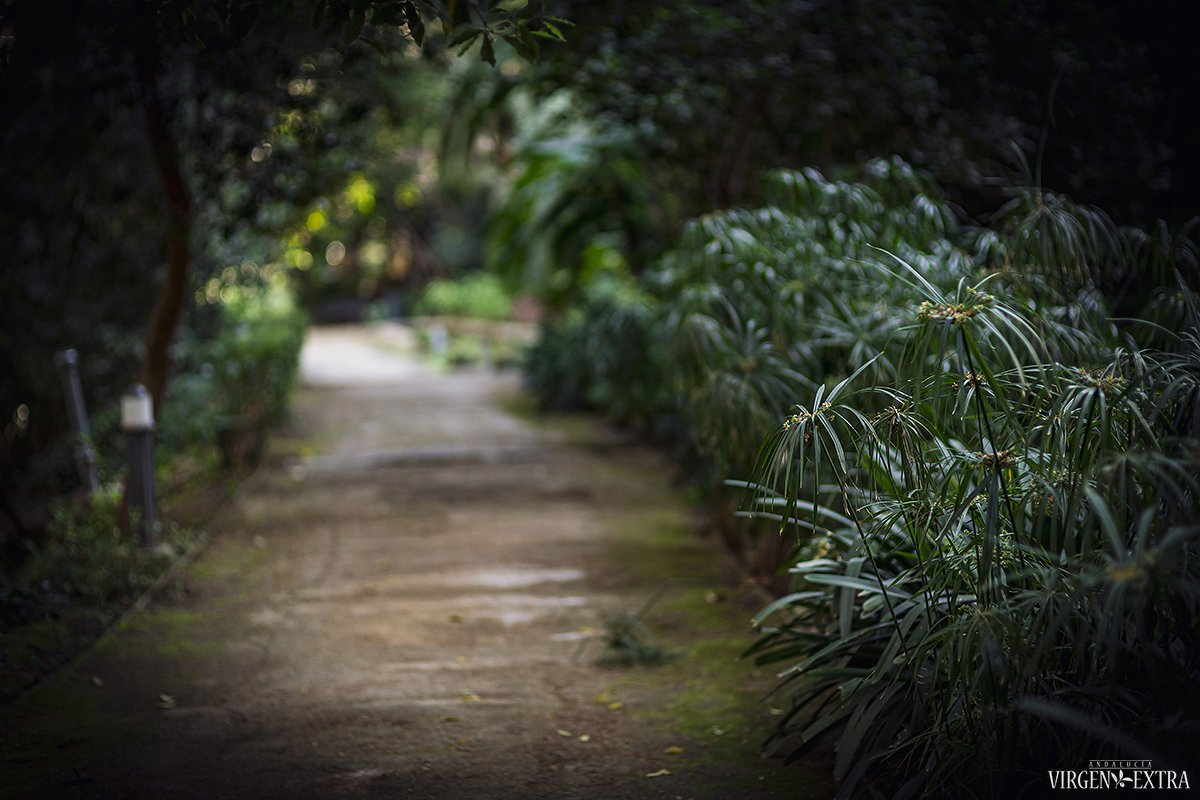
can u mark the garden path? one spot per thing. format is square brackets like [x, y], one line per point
[409, 601]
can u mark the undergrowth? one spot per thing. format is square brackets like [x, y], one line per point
[75, 580]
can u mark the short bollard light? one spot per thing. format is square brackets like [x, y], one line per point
[137, 421]
[67, 361]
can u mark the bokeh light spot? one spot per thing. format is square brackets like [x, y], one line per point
[335, 253]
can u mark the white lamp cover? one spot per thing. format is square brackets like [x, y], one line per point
[137, 410]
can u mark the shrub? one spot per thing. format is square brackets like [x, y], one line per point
[84, 560]
[993, 486]
[1002, 557]
[601, 354]
[255, 356]
[480, 295]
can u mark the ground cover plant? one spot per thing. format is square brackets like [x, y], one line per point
[73, 583]
[256, 353]
[991, 483]
[479, 295]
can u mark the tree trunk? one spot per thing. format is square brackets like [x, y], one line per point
[169, 308]
[164, 319]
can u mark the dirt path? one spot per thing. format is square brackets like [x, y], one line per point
[409, 605]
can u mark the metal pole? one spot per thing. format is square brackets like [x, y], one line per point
[67, 362]
[439, 340]
[137, 421]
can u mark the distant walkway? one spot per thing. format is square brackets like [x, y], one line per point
[409, 604]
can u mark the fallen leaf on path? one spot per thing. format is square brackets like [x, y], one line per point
[461, 659]
[97, 680]
[658, 774]
[585, 738]
[166, 701]
[455, 618]
[717, 731]
[674, 750]
[615, 706]
[603, 699]
[469, 697]
[449, 719]
[561, 732]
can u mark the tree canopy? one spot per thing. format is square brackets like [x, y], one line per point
[1100, 96]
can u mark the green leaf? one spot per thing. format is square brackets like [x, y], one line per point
[857, 584]
[463, 34]
[786, 601]
[416, 26]
[525, 45]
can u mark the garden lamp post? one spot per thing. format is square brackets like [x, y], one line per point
[137, 421]
[67, 362]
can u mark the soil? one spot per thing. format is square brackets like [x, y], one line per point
[412, 600]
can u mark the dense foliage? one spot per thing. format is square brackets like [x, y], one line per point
[715, 92]
[578, 206]
[246, 370]
[255, 356]
[992, 484]
[88, 563]
[479, 295]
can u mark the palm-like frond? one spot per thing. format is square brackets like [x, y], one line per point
[994, 488]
